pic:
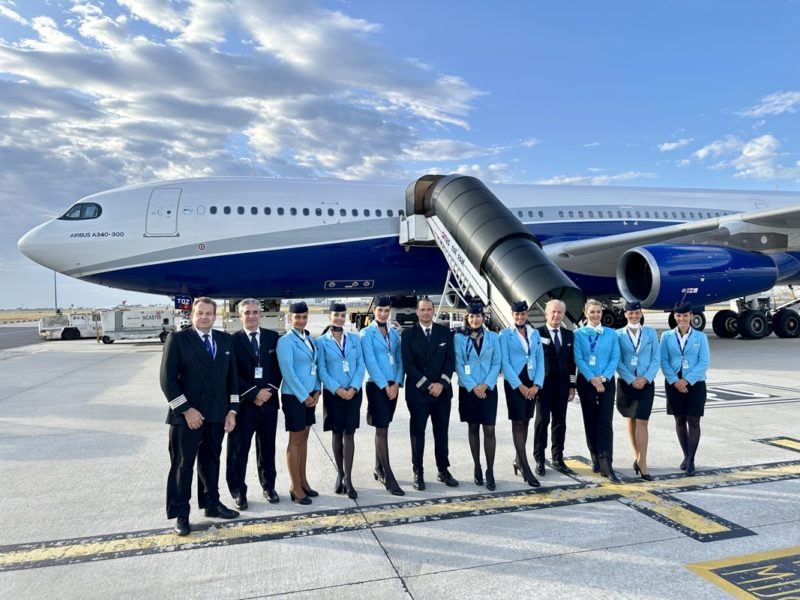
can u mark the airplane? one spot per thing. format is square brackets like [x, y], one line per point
[235, 237]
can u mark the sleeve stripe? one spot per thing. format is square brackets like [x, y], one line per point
[234, 397]
[178, 401]
[247, 391]
[422, 381]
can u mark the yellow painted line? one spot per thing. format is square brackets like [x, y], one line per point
[786, 443]
[675, 512]
[760, 576]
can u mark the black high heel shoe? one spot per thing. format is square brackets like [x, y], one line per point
[516, 468]
[490, 484]
[351, 491]
[295, 499]
[690, 468]
[529, 478]
[338, 487]
[379, 477]
[637, 469]
[478, 476]
[310, 493]
[393, 487]
[682, 466]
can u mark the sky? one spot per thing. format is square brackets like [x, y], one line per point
[99, 94]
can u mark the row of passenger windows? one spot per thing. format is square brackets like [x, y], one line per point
[630, 214]
[280, 211]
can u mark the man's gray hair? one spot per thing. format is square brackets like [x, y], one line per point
[248, 301]
[555, 301]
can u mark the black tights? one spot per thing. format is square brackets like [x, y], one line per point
[519, 433]
[688, 430]
[343, 451]
[382, 466]
[489, 444]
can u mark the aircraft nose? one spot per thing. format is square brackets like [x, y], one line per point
[30, 245]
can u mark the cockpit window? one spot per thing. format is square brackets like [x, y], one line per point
[79, 212]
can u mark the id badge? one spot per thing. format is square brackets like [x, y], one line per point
[259, 373]
[313, 370]
[634, 360]
[530, 365]
[592, 361]
[391, 359]
[684, 364]
[345, 366]
[467, 369]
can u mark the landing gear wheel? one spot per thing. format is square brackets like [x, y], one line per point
[786, 323]
[698, 321]
[725, 324]
[607, 320]
[753, 325]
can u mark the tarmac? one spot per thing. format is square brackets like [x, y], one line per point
[83, 459]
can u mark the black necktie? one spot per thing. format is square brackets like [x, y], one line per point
[254, 343]
[207, 345]
[427, 334]
[556, 340]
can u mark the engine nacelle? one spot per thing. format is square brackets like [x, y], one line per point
[658, 276]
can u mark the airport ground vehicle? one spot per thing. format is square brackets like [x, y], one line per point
[69, 327]
[137, 324]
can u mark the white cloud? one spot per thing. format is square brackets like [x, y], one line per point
[530, 142]
[717, 147]
[592, 144]
[758, 158]
[670, 146]
[774, 104]
[595, 179]
[13, 15]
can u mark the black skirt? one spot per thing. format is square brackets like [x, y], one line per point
[691, 404]
[340, 416]
[473, 410]
[298, 415]
[519, 408]
[380, 410]
[633, 403]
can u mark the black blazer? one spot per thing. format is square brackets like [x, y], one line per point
[559, 368]
[427, 362]
[246, 364]
[190, 378]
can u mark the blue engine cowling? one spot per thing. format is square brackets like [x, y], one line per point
[658, 276]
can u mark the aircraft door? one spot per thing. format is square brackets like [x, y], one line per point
[162, 212]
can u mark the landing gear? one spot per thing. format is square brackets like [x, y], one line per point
[726, 324]
[756, 319]
[753, 324]
[786, 323]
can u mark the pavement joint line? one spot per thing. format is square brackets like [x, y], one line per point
[654, 499]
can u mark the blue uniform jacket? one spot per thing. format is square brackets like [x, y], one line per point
[298, 365]
[695, 353]
[330, 362]
[648, 357]
[484, 367]
[606, 352]
[515, 356]
[376, 354]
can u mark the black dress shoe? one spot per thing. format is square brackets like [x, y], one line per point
[351, 491]
[338, 487]
[690, 468]
[220, 511]
[446, 478]
[391, 485]
[540, 468]
[419, 481]
[240, 502]
[490, 483]
[682, 467]
[310, 493]
[612, 477]
[478, 476]
[529, 478]
[272, 496]
[182, 526]
[296, 500]
[595, 467]
[561, 467]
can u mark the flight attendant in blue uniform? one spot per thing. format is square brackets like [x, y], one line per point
[597, 356]
[638, 366]
[341, 370]
[523, 372]
[297, 357]
[478, 359]
[684, 361]
[380, 346]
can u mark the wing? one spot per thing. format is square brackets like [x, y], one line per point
[765, 230]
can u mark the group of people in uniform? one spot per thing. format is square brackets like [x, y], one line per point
[216, 383]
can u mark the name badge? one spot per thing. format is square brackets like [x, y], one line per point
[592, 361]
[391, 360]
[345, 366]
[259, 372]
[530, 365]
[634, 360]
[684, 364]
[468, 369]
[313, 370]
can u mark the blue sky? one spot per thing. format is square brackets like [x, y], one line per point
[94, 95]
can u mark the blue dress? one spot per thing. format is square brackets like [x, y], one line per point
[689, 362]
[340, 367]
[384, 362]
[639, 357]
[523, 363]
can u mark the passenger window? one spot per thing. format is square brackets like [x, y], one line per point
[240, 210]
[580, 214]
[401, 213]
[683, 215]
[305, 212]
[253, 210]
[691, 214]
[571, 214]
[638, 214]
[591, 214]
[389, 213]
[267, 210]
[293, 211]
[280, 210]
[541, 214]
[227, 210]
[342, 212]
[629, 214]
[716, 214]
[318, 212]
[330, 212]
[519, 213]
[366, 212]
[561, 214]
[201, 210]
[377, 212]
[213, 210]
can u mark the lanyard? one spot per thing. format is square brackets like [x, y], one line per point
[308, 346]
[593, 342]
[682, 346]
[525, 337]
[387, 339]
[344, 343]
[470, 344]
[637, 342]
